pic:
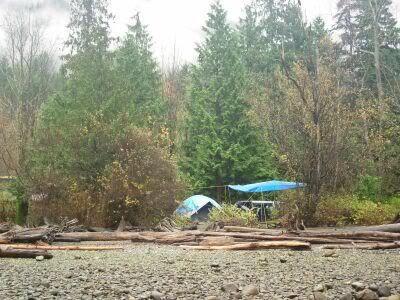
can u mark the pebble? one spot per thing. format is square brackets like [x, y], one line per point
[329, 253]
[358, 286]
[156, 295]
[319, 296]
[230, 287]
[250, 290]
[348, 296]
[319, 288]
[367, 294]
[383, 291]
[134, 274]
[39, 258]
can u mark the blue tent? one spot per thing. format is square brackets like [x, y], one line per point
[196, 207]
[267, 186]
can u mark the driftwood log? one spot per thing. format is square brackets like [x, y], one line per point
[384, 228]
[28, 235]
[63, 248]
[294, 245]
[19, 253]
[377, 246]
[252, 230]
[4, 227]
[359, 235]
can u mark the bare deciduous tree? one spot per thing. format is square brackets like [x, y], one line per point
[27, 71]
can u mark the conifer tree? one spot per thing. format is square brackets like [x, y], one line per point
[222, 146]
[139, 76]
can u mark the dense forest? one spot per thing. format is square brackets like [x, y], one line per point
[109, 133]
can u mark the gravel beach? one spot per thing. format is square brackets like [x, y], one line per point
[146, 271]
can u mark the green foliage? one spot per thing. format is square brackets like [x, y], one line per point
[347, 209]
[138, 78]
[182, 221]
[92, 148]
[229, 214]
[221, 145]
[136, 179]
[18, 190]
[7, 206]
[369, 187]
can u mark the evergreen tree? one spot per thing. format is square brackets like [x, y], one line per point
[222, 146]
[73, 125]
[139, 76]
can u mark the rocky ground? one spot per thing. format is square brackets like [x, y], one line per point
[143, 271]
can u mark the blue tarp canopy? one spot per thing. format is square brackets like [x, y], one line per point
[193, 204]
[267, 186]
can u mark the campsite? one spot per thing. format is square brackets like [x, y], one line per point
[213, 149]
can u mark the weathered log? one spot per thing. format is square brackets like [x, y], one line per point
[99, 236]
[217, 241]
[192, 236]
[262, 237]
[18, 253]
[360, 235]
[66, 240]
[64, 248]
[171, 238]
[28, 235]
[253, 230]
[377, 246]
[4, 227]
[394, 228]
[294, 245]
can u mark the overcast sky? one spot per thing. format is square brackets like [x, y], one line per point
[172, 23]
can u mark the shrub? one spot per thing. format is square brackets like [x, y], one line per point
[135, 179]
[181, 221]
[369, 187]
[7, 207]
[349, 209]
[371, 213]
[336, 210]
[232, 215]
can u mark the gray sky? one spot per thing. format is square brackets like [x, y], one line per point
[172, 23]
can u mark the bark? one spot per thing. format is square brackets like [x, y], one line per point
[295, 245]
